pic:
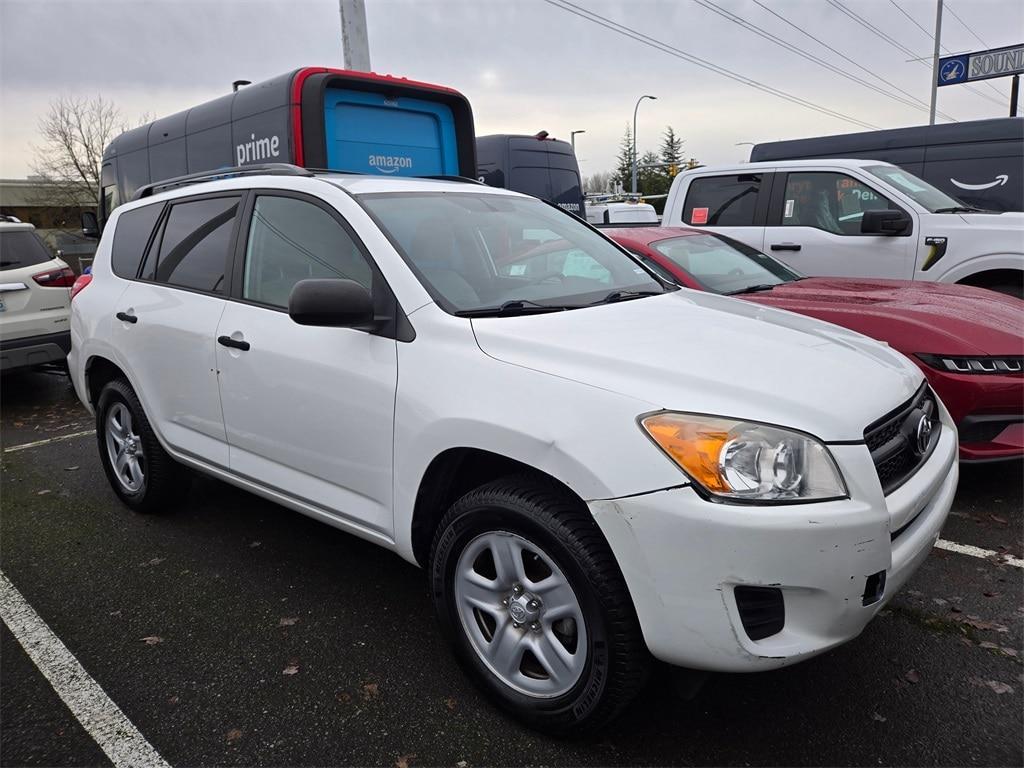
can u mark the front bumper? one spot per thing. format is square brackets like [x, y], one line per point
[988, 410]
[34, 350]
[683, 557]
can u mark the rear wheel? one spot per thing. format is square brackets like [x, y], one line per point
[530, 594]
[140, 471]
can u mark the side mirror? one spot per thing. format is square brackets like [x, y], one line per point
[332, 302]
[885, 222]
[90, 225]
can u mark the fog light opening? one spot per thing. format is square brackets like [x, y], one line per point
[874, 588]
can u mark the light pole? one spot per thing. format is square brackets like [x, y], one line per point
[935, 62]
[572, 139]
[652, 98]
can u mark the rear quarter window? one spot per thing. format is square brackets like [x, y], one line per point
[22, 248]
[134, 229]
[722, 201]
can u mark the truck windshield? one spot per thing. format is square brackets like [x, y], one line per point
[480, 254]
[722, 265]
[918, 190]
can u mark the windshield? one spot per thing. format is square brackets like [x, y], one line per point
[22, 248]
[918, 190]
[478, 251]
[723, 265]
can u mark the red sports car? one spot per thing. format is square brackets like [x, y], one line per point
[969, 342]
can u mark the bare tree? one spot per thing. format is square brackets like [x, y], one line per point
[598, 182]
[73, 134]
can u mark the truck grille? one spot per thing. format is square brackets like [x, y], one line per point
[902, 440]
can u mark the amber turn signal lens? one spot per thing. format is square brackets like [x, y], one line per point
[695, 446]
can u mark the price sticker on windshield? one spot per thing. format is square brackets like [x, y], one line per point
[699, 216]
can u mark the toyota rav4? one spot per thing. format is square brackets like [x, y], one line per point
[586, 487]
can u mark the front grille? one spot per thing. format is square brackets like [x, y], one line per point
[898, 447]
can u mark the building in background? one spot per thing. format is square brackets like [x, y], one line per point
[55, 215]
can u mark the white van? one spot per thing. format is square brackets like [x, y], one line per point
[853, 218]
[621, 213]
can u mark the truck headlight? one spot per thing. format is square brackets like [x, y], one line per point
[741, 461]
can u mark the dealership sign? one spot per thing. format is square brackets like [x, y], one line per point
[982, 65]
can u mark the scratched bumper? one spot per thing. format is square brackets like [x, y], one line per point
[682, 558]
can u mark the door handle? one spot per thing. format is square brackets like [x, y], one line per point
[124, 316]
[785, 246]
[227, 341]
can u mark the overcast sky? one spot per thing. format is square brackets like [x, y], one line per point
[525, 65]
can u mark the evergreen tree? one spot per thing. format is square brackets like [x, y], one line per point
[671, 149]
[624, 162]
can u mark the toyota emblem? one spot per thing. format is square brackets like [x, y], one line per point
[923, 435]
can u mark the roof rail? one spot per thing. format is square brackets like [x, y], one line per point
[266, 169]
[463, 179]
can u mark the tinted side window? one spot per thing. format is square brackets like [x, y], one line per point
[195, 243]
[292, 240]
[722, 201]
[833, 202]
[130, 239]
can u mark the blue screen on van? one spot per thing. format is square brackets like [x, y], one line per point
[370, 133]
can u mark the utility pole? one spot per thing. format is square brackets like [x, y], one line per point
[355, 43]
[1014, 94]
[935, 61]
[572, 139]
[653, 98]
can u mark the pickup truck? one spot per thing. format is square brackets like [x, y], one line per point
[853, 218]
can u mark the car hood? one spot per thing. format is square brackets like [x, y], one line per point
[698, 352]
[913, 317]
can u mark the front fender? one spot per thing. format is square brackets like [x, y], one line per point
[946, 271]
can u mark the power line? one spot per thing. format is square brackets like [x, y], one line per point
[932, 37]
[895, 43]
[965, 25]
[846, 58]
[751, 27]
[640, 37]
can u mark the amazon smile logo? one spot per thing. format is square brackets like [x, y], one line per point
[389, 163]
[1001, 180]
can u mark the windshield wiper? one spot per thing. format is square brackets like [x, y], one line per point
[626, 296]
[751, 289]
[514, 307]
[960, 209]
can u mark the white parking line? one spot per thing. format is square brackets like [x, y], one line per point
[984, 554]
[102, 719]
[37, 443]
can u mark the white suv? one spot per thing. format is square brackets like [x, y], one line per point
[593, 466]
[35, 299]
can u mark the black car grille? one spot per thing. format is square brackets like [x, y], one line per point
[898, 447]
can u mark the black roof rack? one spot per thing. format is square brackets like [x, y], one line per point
[267, 169]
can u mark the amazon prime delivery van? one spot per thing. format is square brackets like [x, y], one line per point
[534, 165]
[312, 117]
[980, 162]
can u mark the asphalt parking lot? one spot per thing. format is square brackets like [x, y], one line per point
[236, 632]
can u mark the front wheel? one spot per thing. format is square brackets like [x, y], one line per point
[529, 592]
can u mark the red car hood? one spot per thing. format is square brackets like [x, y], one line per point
[910, 316]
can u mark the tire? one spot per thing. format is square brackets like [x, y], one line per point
[1010, 289]
[607, 664]
[119, 419]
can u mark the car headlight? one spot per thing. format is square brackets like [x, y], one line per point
[975, 364]
[741, 461]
